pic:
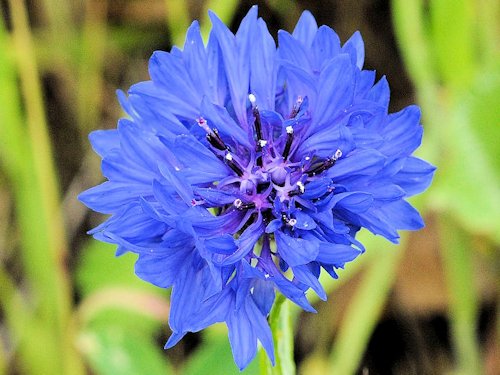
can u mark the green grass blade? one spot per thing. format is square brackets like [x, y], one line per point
[459, 272]
[39, 216]
[178, 20]
[364, 311]
[225, 10]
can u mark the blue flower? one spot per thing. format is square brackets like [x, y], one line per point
[244, 169]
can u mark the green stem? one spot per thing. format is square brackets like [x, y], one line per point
[463, 305]
[280, 321]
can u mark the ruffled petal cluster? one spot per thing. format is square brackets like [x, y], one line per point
[244, 169]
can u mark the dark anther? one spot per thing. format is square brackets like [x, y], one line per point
[216, 141]
[257, 123]
[318, 168]
[289, 140]
[233, 165]
[328, 163]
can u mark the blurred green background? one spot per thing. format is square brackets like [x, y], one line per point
[68, 306]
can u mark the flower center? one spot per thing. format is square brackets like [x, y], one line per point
[270, 178]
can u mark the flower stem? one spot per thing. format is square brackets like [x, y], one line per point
[280, 321]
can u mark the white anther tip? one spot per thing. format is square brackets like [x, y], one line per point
[292, 222]
[337, 154]
[252, 98]
[262, 142]
[237, 203]
[301, 186]
[229, 156]
[289, 129]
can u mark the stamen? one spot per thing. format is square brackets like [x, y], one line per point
[296, 107]
[328, 163]
[292, 222]
[216, 141]
[257, 122]
[233, 165]
[289, 140]
[213, 136]
[195, 202]
[238, 203]
[301, 186]
[262, 143]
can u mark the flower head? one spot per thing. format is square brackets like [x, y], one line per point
[244, 169]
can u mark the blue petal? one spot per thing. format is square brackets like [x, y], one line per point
[292, 51]
[332, 253]
[109, 197]
[380, 93]
[306, 28]
[296, 251]
[336, 89]
[221, 245]
[242, 337]
[168, 70]
[199, 164]
[415, 176]
[325, 46]
[104, 141]
[162, 270]
[355, 47]
[117, 168]
[263, 68]
[304, 221]
[195, 59]
[261, 328]
[246, 241]
[219, 118]
[305, 275]
[402, 215]
[216, 197]
[263, 295]
[403, 133]
[235, 62]
[358, 163]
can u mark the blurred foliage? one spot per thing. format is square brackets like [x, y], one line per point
[68, 306]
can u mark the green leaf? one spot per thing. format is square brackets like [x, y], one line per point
[98, 267]
[453, 40]
[466, 181]
[484, 104]
[113, 350]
